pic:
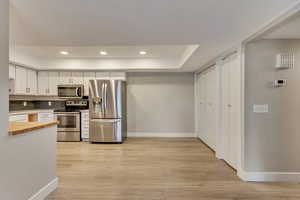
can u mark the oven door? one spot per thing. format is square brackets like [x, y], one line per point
[70, 91]
[68, 122]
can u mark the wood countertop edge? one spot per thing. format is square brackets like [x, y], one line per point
[28, 126]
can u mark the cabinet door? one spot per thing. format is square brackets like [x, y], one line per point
[18, 118]
[45, 117]
[85, 125]
[77, 78]
[87, 76]
[102, 75]
[21, 81]
[118, 75]
[43, 83]
[32, 82]
[65, 78]
[12, 72]
[53, 82]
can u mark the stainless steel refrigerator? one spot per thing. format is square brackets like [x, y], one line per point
[107, 105]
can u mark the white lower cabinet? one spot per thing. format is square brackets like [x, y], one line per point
[45, 116]
[85, 118]
[18, 118]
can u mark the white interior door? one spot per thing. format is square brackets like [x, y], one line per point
[226, 122]
[207, 123]
[231, 109]
[211, 107]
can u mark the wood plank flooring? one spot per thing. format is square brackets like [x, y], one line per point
[155, 169]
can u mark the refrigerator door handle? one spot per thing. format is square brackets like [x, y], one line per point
[103, 99]
[106, 120]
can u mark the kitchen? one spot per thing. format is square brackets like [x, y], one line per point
[43, 98]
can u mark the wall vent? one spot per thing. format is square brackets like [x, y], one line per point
[285, 61]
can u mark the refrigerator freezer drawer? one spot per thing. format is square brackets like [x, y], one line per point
[105, 130]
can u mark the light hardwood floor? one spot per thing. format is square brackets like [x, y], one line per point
[155, 169]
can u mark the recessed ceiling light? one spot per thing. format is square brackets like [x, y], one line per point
[143, 52]
[103, 53]
[64, 52]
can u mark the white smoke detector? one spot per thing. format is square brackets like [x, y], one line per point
[285, 61]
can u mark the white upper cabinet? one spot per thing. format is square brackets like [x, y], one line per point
[47, 83]
[21, 81]
[31, 82]
[111, 75]
[43, 83]
[102, 75]
[12, 72]
[118, 75]
[65, 78]
[25, 81]
[71, 78]
[77, 78]
[53, 82]
[86, 77]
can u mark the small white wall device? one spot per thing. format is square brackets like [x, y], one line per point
[280, 83]
[285, 61]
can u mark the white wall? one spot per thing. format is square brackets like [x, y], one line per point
[272, 139]
[160, 104]
[27, 162]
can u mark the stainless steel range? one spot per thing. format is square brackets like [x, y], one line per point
[68, 128]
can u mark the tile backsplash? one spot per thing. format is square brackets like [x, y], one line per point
[29, 105]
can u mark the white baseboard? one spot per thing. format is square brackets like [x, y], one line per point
[161, 134]
[269, 176]
[45, 191]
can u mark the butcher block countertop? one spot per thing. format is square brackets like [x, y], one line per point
[16, 128]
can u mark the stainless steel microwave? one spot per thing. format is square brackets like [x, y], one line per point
[70, 91]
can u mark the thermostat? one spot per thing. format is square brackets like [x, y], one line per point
[280, 83]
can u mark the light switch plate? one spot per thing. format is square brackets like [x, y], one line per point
[261, 108]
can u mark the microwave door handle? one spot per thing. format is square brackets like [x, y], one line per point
[78, 92]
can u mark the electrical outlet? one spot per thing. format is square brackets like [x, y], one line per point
[25, 103]
[49, 103]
